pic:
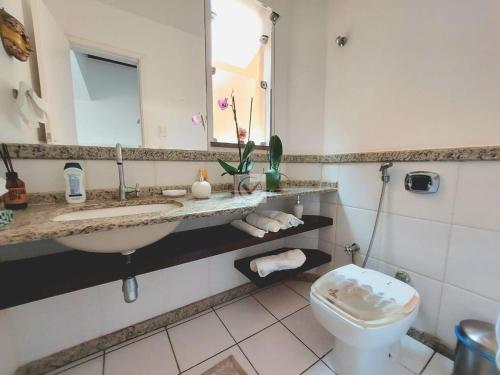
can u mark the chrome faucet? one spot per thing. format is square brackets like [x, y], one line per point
[123, 190]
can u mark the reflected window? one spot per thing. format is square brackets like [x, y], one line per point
[106, 95]
[241, 62]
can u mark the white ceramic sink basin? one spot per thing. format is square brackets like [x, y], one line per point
[121, 240]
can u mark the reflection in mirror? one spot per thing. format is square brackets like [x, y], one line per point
[144, 96]
[241, 58]
[106, 99]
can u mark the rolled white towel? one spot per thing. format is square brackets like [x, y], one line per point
[250, 229]
[263, 222]
[286, 220]
[284, 261]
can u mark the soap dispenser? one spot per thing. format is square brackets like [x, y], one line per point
[298, 208]
[201, 189]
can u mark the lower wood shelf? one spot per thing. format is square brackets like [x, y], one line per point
[28, 280]
[314, 258]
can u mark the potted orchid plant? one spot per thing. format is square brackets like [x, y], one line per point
[242, 170]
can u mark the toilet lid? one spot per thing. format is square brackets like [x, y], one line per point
[366, 297]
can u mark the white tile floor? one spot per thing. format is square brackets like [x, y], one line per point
[271, 332]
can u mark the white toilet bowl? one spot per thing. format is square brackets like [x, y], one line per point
[367, 312]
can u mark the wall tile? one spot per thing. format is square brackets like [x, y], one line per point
[103, 174]
[477, 195]
[341, 258]
[38, 325]
[458, 304]
[301, 242]
[437, 206]
[214, 173]
[177, 172]
[311, 207]
[43, 175]
[304, 171]
[415, 244]
[332, 197]
[474, 261]
[330, 172]
[359, 185]
[354, 225]
[430, 295]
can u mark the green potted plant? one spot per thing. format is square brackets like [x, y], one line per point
[241, 172]
[274, 154]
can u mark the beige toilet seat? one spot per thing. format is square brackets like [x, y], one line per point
[365, 297]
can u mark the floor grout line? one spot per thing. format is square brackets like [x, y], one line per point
[237, 343]
[279, 321]
[314, 364]
[289, 287]
[124, 344]
[428, 362]
[189, 318]
[215, 355]
[173, 351]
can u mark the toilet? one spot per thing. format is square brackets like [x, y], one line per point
[368, 313]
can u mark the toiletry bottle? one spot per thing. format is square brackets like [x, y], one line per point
[16, 197]
[201, 189]
[75, 189]
[298, 208]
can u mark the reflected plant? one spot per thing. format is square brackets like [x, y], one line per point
[199, 119]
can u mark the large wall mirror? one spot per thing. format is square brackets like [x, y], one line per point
[141, 73]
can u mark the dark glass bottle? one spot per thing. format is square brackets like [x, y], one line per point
[16, 198]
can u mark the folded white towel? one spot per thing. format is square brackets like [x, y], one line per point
[284, 261]
[263, 222]
[286, 220]
[250, 229]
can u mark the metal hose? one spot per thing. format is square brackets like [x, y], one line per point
[382, 193]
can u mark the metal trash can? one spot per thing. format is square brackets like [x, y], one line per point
[476, 349]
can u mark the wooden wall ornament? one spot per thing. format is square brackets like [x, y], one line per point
[15, 40]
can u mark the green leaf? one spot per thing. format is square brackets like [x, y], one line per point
[227, 167]
[248, 166]
[249, 147]
[275, 152]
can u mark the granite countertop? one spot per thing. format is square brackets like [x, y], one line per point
[36, 222]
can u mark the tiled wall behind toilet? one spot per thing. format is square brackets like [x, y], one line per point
[448, 241]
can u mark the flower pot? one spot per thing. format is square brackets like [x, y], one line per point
[241, 183]
[273, 178]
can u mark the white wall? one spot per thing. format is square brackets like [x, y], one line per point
[12, 71]
[413, 75]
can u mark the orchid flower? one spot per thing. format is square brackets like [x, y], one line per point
[242, 134]
[223, 103]
[198, 119]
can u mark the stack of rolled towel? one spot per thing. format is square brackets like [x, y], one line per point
[262, 222]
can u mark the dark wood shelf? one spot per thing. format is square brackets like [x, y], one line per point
[314, 258]
[28, 280]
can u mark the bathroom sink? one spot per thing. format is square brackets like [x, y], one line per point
[120, 240]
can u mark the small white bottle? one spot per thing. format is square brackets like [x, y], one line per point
[201, 189]
[298, 208]
[75, 188]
